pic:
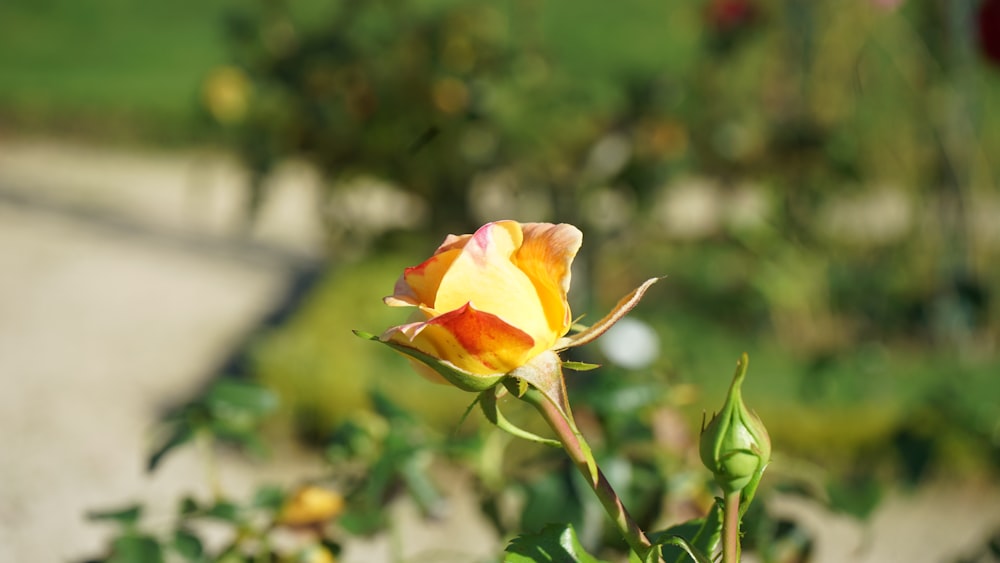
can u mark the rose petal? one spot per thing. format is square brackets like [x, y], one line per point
[419, 284]
[472, 340]
[437, 370]
[546, 256]
[485, 275]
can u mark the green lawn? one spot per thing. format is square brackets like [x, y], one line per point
[102, 66]
[102, 62]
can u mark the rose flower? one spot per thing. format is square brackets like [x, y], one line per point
[489, 302]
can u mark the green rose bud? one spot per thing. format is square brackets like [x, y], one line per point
[735, 446]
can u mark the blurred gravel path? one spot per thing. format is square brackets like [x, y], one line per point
[121, 290]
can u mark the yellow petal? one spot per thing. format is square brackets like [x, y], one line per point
[546, 256]
[419, 284]
[472, 340]
[485, 275]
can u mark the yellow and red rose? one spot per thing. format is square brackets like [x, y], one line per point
[493, 303]
[489, 302]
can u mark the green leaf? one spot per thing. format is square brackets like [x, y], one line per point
[247, 438]
[224, 510]
[228, 398]
[188, 506]
[127, 516]
[136, 549]
[580, 366]
[553, 497]
[360, 521]
[182, 434]
[188, 545]
[269, 497]
[700, 535]
[556, 543]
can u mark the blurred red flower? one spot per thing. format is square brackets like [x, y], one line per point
[989, 30]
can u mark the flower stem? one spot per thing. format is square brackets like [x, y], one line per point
[578, 450]
[731, 529]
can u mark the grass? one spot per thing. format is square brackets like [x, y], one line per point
[106, 63]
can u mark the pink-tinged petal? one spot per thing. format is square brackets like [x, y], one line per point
[485, 275]
[472, 340]
[419, 284]
[546, 256]
[452, 242]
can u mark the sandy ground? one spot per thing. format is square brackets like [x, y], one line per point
[125, 281]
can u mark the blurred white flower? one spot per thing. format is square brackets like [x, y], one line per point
[631, 344]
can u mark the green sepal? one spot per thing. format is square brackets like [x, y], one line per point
[624, 305]
[556, 543]
[692, 552]
[456, 376]
[544, 374]
[488, 403]
[580, 366]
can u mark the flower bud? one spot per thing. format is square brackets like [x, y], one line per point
[734, 445]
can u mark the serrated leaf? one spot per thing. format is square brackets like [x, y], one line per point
[580, 366]
[556, 543]
[127, 516]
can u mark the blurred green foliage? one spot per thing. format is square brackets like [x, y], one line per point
[817, 179]
[106, 69]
